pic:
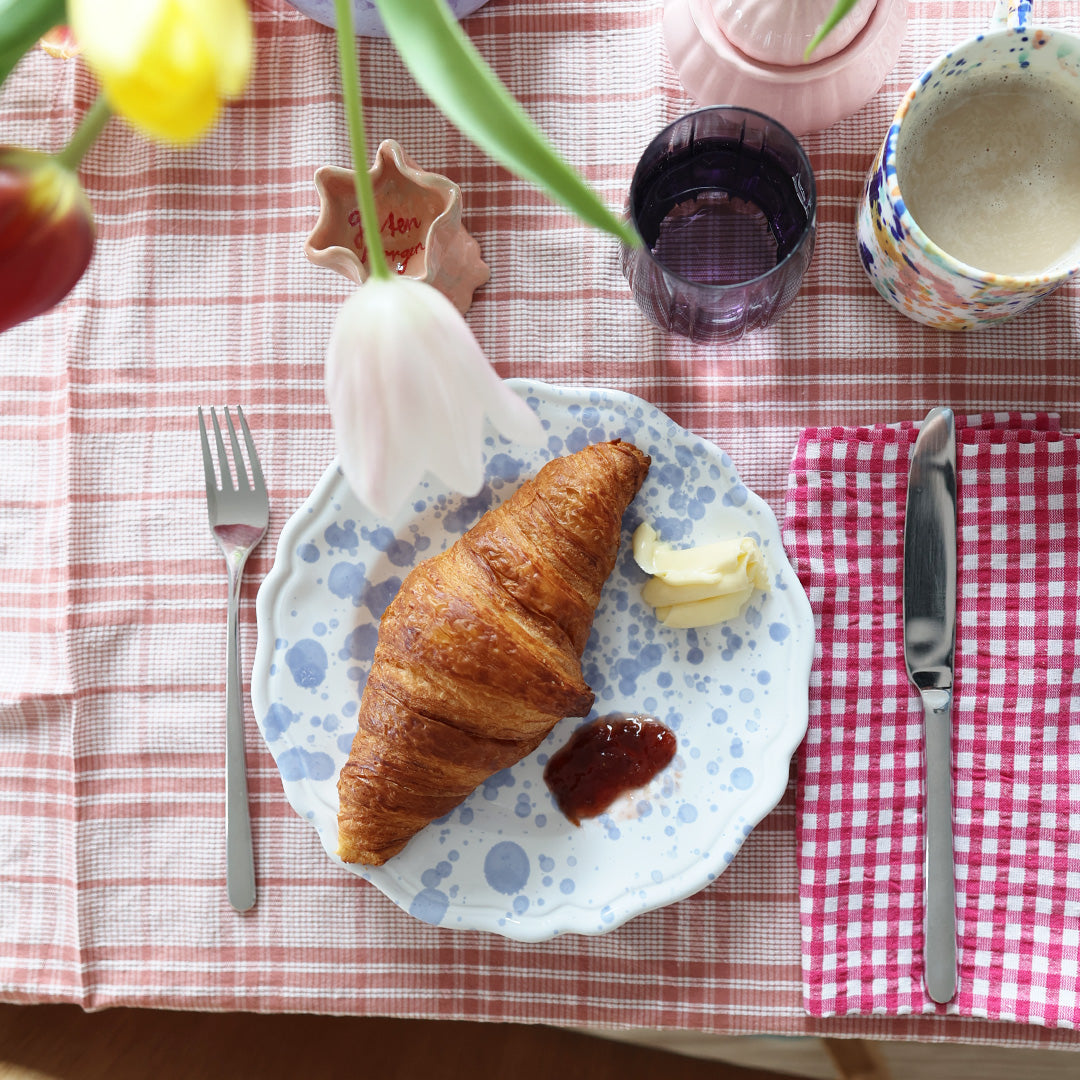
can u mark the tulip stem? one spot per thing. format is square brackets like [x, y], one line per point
[94, 119]
[354, 115]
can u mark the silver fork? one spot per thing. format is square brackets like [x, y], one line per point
[239, 513]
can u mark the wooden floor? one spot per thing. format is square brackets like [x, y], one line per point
[61, 1042]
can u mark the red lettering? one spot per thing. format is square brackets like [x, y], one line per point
[394, 225]
[399, 260]
[358, 238]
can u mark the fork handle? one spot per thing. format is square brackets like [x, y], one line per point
[239, 854]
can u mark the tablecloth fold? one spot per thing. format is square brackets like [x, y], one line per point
[1016, 724]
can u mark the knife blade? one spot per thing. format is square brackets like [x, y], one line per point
[930, 571]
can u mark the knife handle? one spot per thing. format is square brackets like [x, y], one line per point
[939, 949]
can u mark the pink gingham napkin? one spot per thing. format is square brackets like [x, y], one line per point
[1016, 724]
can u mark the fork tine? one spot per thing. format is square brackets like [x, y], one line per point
[238, 459]
[223, 457]
[253, 458]
[208, 462]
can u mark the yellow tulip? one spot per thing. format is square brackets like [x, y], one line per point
[166, 66]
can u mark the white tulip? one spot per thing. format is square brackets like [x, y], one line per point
[409, 389]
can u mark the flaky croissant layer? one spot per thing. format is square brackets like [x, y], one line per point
[479, 654]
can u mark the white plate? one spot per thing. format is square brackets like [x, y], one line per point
[506, 860]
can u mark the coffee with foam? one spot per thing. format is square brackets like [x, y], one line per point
[991, 174]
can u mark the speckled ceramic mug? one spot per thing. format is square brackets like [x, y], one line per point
[912, 272]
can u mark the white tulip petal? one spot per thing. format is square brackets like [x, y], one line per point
[409, 389]
[454, 420]
[512, 416]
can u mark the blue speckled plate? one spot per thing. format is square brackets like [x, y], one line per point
[506, 860]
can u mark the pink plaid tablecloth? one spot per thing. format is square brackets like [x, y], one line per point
[1016, 723]
[112, 594]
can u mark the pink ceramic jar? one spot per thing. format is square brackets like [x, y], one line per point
[751, 53]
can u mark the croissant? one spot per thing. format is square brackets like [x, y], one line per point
[479, 654]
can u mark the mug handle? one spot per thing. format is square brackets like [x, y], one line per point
[1011, 15]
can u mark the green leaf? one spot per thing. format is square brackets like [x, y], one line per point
[450, 70]
[22, 22]
[838, 12]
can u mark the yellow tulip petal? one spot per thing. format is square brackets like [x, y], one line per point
[166, 65]
[113, 33]
[173, 118]
[227, 28]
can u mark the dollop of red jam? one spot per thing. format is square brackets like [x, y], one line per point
[604, 759]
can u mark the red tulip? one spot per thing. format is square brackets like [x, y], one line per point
[60, 42]
[46, 233]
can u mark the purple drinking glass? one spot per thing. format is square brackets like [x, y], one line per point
[725, 202]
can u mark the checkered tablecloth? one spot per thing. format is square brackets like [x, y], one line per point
[112, 594]
[1016, 724]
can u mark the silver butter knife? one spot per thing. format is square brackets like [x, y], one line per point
[929, 636]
